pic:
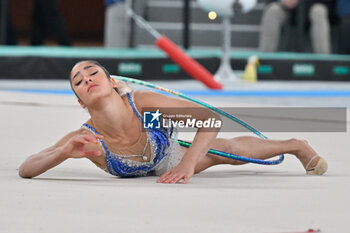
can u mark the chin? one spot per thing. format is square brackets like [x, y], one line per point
[97, 97]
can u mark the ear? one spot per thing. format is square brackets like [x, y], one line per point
[81, 104]
[114, 83]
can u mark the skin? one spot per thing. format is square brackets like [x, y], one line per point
[290, 4]
[112, 116]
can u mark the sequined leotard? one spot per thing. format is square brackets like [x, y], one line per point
[165, 152]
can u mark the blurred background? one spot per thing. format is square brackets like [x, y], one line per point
[294, 40]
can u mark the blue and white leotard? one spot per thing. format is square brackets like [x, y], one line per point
[165, 152]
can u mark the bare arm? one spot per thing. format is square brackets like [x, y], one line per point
[71, 146]
[202, 139]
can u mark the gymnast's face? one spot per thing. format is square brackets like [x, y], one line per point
[90, 82]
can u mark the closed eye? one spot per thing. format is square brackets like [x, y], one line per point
[77, 84]
[94, 73]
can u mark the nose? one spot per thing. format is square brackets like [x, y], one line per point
[87, 80]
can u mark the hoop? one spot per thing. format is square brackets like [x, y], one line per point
[211, 151]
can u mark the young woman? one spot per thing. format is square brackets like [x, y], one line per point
[114, 140]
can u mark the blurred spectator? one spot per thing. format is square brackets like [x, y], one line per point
[116, 24]
[47, 18]
[10, 38]
[280, 12]
[343, 11]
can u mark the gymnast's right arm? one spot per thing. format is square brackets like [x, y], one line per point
[73, 145]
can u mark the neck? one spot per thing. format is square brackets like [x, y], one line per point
[113, 118]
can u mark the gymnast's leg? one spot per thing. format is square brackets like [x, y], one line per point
[258, 148]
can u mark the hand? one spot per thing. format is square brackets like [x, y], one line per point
[123, 87]
[290, 3]
[75, 147]
[184, 171]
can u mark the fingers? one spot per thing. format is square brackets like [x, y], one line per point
[163, 177]
[84, 139]
[79, 147]
[175, 179]
[92, 153]
[186, 178]
[171, 178]
[98, 136]
[92, 138]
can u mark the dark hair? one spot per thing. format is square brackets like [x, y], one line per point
[97, 64]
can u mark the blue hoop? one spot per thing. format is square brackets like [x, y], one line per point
[212, 151]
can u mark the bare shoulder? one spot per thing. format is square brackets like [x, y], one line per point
[143, 98]
[145, 95]
[170, 105]
[159, 100]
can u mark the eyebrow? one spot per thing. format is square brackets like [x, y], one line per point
[85, 68]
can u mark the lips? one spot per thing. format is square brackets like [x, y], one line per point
[91, 86]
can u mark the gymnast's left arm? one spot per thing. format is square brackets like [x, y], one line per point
[186, 168]
[201, 142]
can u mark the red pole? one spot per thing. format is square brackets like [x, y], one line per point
[192, 67]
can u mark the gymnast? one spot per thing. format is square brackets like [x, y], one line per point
[115, 141]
